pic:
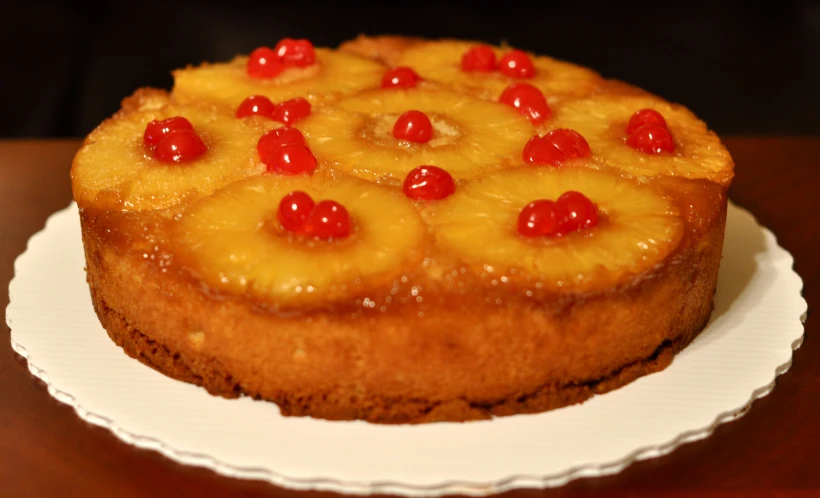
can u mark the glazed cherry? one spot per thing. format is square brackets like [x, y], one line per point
[651, 139]
[480, 58]
[158, 128]
[255, 105]
[428, 183]
[644, 117]
[274, 139]
[291, 111]
[293, 211]
[577, 211]
[400, 77]
[539, 218]
[180, 146]
[291, 159]
[555, 147]
[328, 220]
[263, 63]
[413, 126]
[529, 101]
[295, 53]
[516, 64]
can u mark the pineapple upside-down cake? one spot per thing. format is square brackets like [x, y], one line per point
[402, 230]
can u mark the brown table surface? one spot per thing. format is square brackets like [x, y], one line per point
[774, 450]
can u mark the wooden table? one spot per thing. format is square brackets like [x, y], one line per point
[774, 450]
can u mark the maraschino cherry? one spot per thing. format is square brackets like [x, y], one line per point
[651, 139]
[413, 126]
[529, 101]
[573, 211]
[428, 183]
[644, 117]
[328, 220]
[180, 146]
[555, 147]
[516, 64]
[294, 209]
[400, 77]
[291, 111]
[577, 211]
[295, 53]
[647, 132]
[480, 58]
[274, 139]
[291, 159]
[173, 140]
[264, 63]
[158, 128]
[256, 105]
[541, 217]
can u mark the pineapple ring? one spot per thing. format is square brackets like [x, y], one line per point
[113, 170]
[232, 241]
[334, 75]
[440, 61]
[639, 229]
[602, 121]
[471, 136]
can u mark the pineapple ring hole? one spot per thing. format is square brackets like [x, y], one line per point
[378, 129]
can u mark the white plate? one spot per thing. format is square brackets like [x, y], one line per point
[756, 325]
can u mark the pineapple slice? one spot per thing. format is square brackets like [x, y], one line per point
[638, 228]
[114, 170]
[233, 241]
[470, 137]
[602, 121]
[334, 75]
[440, 61]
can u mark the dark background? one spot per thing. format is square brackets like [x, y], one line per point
[744, 67]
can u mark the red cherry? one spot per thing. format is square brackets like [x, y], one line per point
[413, 126]
[263, 63]
[255, 105]
[480, 58]
[291, 159]
[577, 211]
[272, 140]
[158, 128]
[296, 53]
[529, 101]
[555, 147]
[428, 183]
[294, 209]
[540, 217]
[516, 64]
[328, 220]
[291, 111]
[400, 77]
[644, 117]
[651, 139]
[180, 146]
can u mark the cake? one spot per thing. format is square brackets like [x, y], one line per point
[402, 230]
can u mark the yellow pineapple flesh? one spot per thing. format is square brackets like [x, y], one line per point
[233, 241]
[334, 75]
[440, 61]
[638, 229]
[114, 169]
[602, 121]
[470, 137]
